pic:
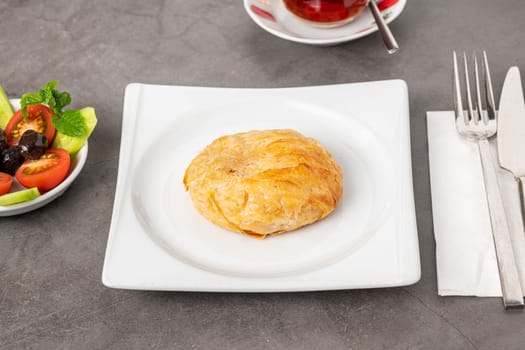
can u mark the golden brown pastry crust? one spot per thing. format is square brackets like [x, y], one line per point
[264, 182]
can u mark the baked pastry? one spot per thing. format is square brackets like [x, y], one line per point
[264, 182]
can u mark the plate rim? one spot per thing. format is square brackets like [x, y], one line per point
[142, 189]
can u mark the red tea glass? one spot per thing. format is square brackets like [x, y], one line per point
[326, 12]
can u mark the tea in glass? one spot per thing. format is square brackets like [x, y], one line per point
[326, 12]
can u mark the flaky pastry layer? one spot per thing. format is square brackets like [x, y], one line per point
[264, 182]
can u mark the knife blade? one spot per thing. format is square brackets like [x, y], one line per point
[511, 128]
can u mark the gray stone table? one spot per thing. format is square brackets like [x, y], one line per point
[51, 295]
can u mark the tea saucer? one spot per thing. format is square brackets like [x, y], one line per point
[271, 19]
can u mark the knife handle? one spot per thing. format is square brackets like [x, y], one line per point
[508, 272]
[521, 182]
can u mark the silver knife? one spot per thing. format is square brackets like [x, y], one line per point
[511, 128]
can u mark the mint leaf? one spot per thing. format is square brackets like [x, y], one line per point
[71, 123]
[45, 95]
[51, 85]
[29, 99]
[62, 98]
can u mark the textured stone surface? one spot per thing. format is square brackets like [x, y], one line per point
[51, 296]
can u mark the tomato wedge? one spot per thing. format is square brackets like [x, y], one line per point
[44, 173]
[6, 181]
[38, 119]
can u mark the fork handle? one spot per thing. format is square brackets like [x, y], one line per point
[508, 272]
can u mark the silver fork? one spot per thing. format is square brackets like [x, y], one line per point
[478, 125]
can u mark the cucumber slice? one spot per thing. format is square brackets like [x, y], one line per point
[19, 196]
[6, 110]
[73, 144]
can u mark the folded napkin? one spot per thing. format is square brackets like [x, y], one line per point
[465, 255]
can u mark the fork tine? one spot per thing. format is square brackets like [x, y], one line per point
[489, 92]
[457, 92]
[479, 108]
[469, 95]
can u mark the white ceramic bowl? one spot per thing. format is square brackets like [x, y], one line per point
[77, 163]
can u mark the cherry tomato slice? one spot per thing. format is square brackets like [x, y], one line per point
[44, 173]
[6, 181]
[38, 119]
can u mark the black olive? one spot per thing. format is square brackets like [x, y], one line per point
[3, 141]
[32, 144]
[11, 160]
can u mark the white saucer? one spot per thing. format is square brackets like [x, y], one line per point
[266, 17]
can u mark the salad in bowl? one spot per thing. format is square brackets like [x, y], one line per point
[43, 147]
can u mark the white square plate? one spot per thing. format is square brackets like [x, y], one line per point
[157, 240]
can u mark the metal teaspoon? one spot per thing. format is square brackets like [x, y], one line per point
[388, 38]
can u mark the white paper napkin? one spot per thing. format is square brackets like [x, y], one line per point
[465, 256]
